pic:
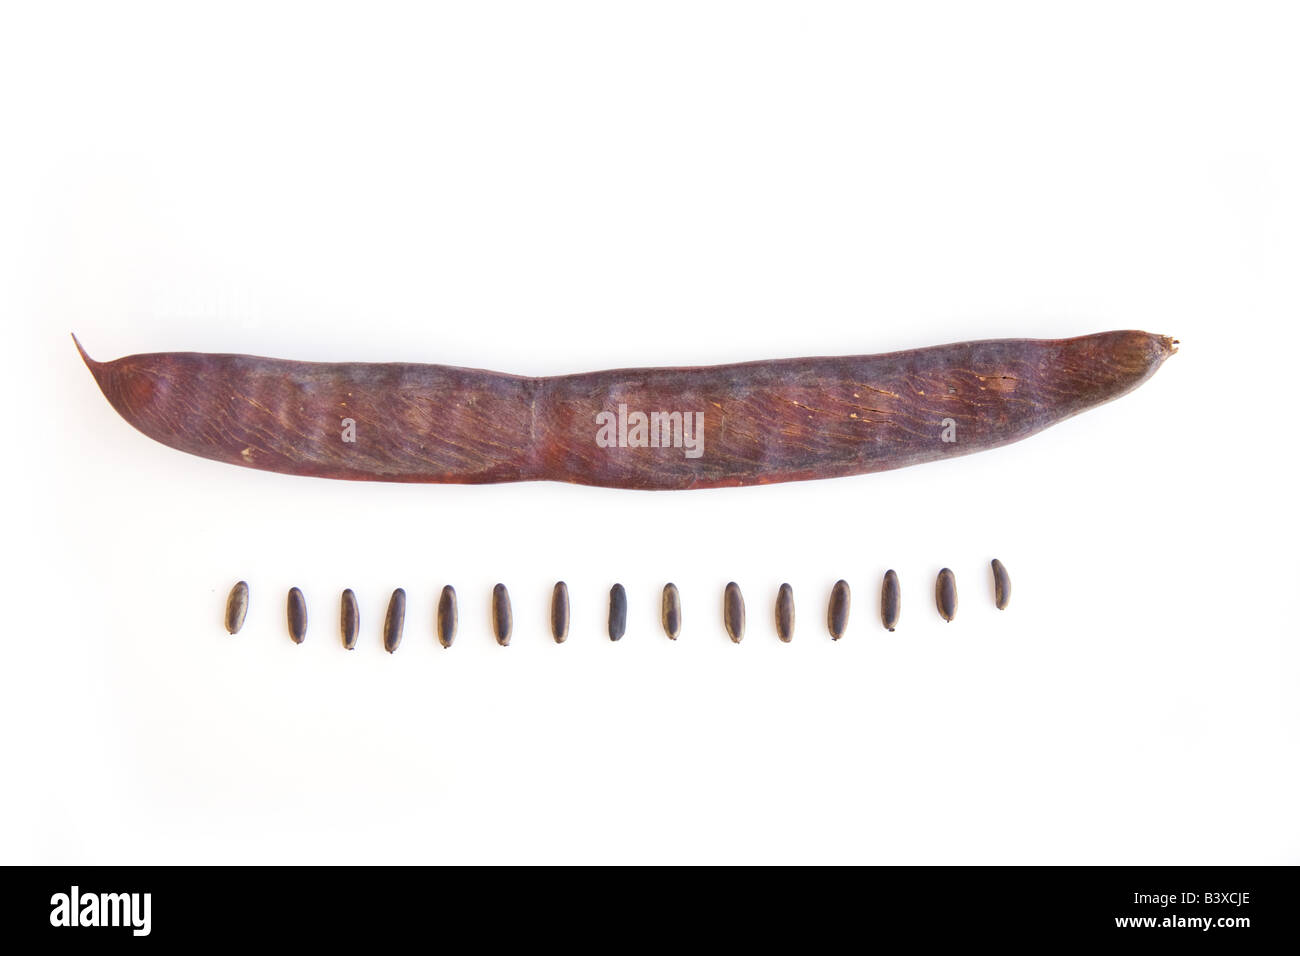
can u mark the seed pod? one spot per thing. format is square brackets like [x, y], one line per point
[1001, 585]
[447, 616]
[394, 619]
[349, 619]
[296, 608]
[837, 611]
[502, 620]
[670, 611]
[785, 613]
[890, 600]
[617, 612]
[945, 594]
[237, 607]
[747, 424]
[560, 612]
[733, 612]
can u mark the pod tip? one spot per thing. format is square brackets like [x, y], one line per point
[90, 362]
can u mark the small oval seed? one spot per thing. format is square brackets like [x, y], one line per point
[502, 620]
[296, 607]
[1001, 585]
[945, 594]
[733, 612]
[237, 607]
[617, 612]
[394, 619]
[349, 619]
[447, 616]
[670, 611]
[560, 612]
[785, 613]
[837, 611]
[890, 600]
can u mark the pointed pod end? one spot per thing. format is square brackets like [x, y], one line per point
[101, 371]
[90, 362]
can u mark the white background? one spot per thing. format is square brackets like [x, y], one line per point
[546, 188]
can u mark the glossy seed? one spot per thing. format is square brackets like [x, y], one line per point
[447, 616]
[237, 607]
[296, 607]
[837, 611]
[890, 601]
[733, 612]
[349, 619]
[1001, 585]
[502, 620]
[394, 619]
[670, 611]
[617, 612]
[785, 613]
[945, 594]
[560, 612]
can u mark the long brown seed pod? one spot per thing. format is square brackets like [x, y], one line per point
[733, 612]
[785, 613]
[394, 618]
[837, 610]
[670, 611]
[560, 612]
[349, 619]
[296, 612]
[1001, 585]
[724, 425]
[447, 616]
[237, 607]
[890, 600]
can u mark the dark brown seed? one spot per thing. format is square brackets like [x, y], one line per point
[297, 612]
[617, 612]
[447, 616]
[670, 611]
[837, 611]
[945, 594]
[1001, 585]
[349, 619]
[394, 620]
[733, 612]
[890, 600]
[237, 607]
[785, 613]
[560, 612]
[502, 620]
